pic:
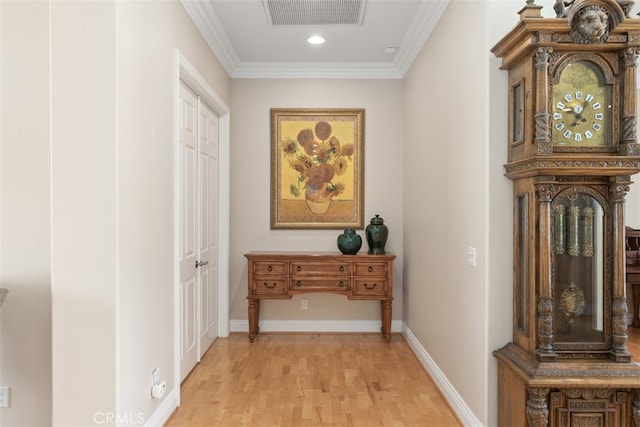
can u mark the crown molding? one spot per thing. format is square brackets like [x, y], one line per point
[425, 21]
[315, 70]
[207, 22]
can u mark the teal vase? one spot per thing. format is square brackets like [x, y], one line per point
[349, 242]
[377, 234]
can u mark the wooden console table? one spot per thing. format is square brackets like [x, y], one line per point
[280, 275]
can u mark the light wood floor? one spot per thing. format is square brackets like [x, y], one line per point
[633, 343]
[316, 379]
[311, 379]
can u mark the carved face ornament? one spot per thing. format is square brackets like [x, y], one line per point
[591, 25]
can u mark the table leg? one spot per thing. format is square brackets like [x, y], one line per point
[385, 311]
[254, 315]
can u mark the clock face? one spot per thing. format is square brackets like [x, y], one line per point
[581, 108]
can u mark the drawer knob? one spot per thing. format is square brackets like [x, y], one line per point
[270, 268]
[370, 287]
[268, 286]
[298, 268]
[342, 268]
[341, 284]
[370, 269]
[298, 283]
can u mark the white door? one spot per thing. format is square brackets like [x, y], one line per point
[208, 229]
[198, 229]
[188, 228]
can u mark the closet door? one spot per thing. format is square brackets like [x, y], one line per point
[208, 227]
[198, 229]
[188, 161]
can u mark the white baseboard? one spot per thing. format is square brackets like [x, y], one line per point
[449, 392]
[164, 411]
[356, 326]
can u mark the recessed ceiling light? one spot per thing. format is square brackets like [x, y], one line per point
[316, 40]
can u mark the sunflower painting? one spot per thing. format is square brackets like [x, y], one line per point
[316, 168]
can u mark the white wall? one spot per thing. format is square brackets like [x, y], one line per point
[250, 186]
[148, 34]
[501, 16]
[87, 205]
[446, 206]
[25, 233]
[83, 212]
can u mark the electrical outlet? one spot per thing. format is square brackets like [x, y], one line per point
[4, 396]
[304, 304]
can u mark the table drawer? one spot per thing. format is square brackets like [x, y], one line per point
[320, 284]
[319, 267]
[370, 286]
[269, 285]
[270, 267]
[633, 277]
[370, 268]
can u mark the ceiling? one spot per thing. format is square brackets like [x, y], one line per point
[267, 38]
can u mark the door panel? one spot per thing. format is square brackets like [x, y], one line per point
[208, 230]
[188, 227]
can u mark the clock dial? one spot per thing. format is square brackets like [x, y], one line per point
[581, 108]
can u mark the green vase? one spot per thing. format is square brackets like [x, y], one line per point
[349, 242]
[377, 234]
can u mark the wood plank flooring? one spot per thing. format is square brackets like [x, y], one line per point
[633, 342]
[316, 379]
[308, 380]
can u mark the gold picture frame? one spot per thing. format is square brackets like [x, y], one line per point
[317, 168]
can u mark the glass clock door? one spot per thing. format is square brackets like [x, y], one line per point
[578, 270]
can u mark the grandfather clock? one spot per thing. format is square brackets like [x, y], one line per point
[572, 148]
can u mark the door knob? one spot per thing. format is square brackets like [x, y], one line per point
[201, 263]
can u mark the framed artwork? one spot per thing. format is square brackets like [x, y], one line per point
[317, 168]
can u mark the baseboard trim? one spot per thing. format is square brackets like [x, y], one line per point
[355, 326]
[457, 403]
[164, 411]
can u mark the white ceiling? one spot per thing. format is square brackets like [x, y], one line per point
[239, 32]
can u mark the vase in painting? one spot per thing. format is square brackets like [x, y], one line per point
[317, 201]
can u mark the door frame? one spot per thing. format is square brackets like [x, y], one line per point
[186, 72]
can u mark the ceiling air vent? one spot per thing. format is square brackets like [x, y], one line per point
[314, 12]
